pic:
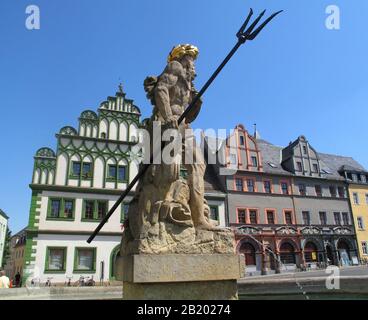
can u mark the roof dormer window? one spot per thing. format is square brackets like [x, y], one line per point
[272, 165]
[326, 171]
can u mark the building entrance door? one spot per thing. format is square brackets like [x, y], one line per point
[115, 253]
[330, 256]
[343, 249]
[287, 253]
[310, 253]
[250, 254]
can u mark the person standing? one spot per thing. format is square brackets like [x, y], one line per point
[17, 279]
[4, 280]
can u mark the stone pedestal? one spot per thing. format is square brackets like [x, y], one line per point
[180, 276]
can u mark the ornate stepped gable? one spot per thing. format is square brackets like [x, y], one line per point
[242, 150]
[300, 151]
[44, 166]
[107, 134]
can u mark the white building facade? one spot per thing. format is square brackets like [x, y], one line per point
[3, 229]
[73, 189]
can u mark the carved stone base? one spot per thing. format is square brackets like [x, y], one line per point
[180, 276]
[168, 238]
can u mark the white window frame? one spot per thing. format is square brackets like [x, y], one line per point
[360, 219]
[364, 245]
[356, 200]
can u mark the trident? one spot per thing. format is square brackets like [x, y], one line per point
[242, 35]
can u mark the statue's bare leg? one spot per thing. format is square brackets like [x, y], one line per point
[196, 169]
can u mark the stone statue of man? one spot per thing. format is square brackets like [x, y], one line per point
[169, 213]
[171, 93]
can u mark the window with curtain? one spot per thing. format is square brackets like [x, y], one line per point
[239, 184]
[270, 217]
[250, 185]
[267, 186]
[253, 216]
[76, 168]
[337, 218]
[318, 190]
[101, 209]
[56, 259]
[89, 209]
[323, 217]
[122, 173]
[284, 188]
[55, 208]
[68, 208]
[85, 259]
[288, 217]
[242, 216]
[214, 212]
[306, 218]
[345, 218]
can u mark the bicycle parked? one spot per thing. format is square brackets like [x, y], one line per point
[80, 282]
[90, 282]
[35, 282]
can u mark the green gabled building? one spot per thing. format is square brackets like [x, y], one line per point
[73, 189]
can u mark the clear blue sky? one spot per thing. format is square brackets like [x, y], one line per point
[297, 78]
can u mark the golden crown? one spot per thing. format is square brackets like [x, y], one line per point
[182, 49]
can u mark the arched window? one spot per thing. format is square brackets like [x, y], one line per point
[287, 253]
[310, 252]
[249, 252]
[342, 245]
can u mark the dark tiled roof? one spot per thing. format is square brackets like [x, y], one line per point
[211, 145]
[348, 168]
[271, 157]
[20, 233]
[211, 181]
[214, 143]
[335, 163]
[2, 213]
[331, 164]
